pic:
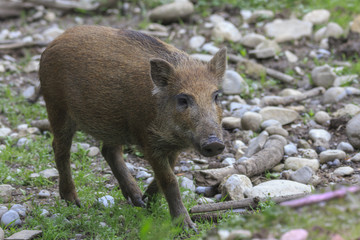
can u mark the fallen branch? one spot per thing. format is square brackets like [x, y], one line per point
[16, 45]
[155, 33]
[316, 198]
[214, 216]
[269, 71]
[244, 203]
[276, 100]
[265, 159]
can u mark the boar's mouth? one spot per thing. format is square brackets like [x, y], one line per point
[211, 146]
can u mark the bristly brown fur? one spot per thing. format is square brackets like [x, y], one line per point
[123, 87]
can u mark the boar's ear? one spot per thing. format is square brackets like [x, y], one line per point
[161, 72]
[217, 64]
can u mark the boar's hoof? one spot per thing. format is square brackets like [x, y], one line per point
[212, 147]
[138, 202]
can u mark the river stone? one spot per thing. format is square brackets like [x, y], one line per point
[319, 135]
[295, 163]
[322, 118]
[256, 144]
[52, 32]
[206, 191]
[356, 158]
[290, 149]
[172, 11]
[334, 95]
[204, 200]
[196, 42]
[226, 31]
[302, 175]
[283, 115]
[93, 151]
[106, 201]
[6, 192]
[343, 80]
[353, 131]
[12, 217]
[346, 147]
[142, 175]
[25, 235]
[1, 234]
[318, 16]
[278, 188]
[251, 121]
[290, 92]
[288, 30]
[251, 40]
[44, 194]
[333, 30]
[50, 173]
[348, 109]
[276, 130]
[355, 26]
[331, 155]
[235, 186]
[270, 122]
[343, 171]
[4, 132]
[233, 83]
[3, 209]
[291, 57]
[20, 209]
[187, 183]
[296, 234]
[231, 122]
[323, 76]
[263, 53]
[308, 153]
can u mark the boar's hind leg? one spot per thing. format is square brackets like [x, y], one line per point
[128, 185]
[168, 184]
[63, 129]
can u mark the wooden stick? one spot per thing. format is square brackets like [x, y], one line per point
[16, 45]
[276, 100]
[247, 202]
[316, 198]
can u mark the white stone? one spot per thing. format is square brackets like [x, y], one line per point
[6, 191]
[4, 132]
[226, 31]
[44, 194]
[172, 11]
[196, 42]
[288, 30]
[283, 115]
[187, 183]
[20, 209]
[251, 40]
[251, 121]
[106, 201]
[322, 117]
[143, 175]
[356, 158]
[295, 163]
[11, 218]
[319, 134]
[52, 32]
[233, 83]
[32, 66]
[202, 57]
[231, 122]
[341, 80]
[290, 92]
[29, 92]
[277, 188]
[292, 58]
[49, 173]
[204, 200]
[323, 76]
[93, 151]
[348, 109]
[334, 95]
[318, 16]
[343, 171]
[333, 30]
[235, 186]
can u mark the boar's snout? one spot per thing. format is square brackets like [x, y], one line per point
[212, 146]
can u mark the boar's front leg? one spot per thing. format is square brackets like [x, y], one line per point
[166, 180]
[128, 185]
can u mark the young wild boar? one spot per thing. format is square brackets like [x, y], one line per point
[125, 87]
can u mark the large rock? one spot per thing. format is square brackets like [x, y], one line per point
[288, 30]
[277, 188]
[234, 84]
[235, 186]
[6, 193]
[353, 131]
[319, 16]
[172, 12]
[226, 31]
[295, 163]
[283, 115]
[323, 76]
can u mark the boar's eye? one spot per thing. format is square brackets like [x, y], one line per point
[182, 101]
[216, 97]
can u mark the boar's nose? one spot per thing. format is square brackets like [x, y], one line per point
[213, 146]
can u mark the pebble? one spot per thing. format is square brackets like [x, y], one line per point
[238, 109]
[333, 30]
[302, 175]
[172, 11]
[28, 92]
[291, 57]
[282, 115]
[275, 130]
[206, 191]
[6, 191]
[334, 163]
[343, 171]
[331, 155]
[343, 80]
[320, 136]
[12, 217]
[320, 149]
[228, 161]
[355, 25]
[353, 131]
[277, 188]
[106, 201]
[295, 163]
[308, 153]
[142, 175]
[23, 142]
[231, 122]
[356, 158]
[334, 95]
[256, 144]
[3, 209]
[323, 76]
[204, 200]
[196, 42]
[20, 209]
[4, 132]
[226, 31]
[288, 30]
[233, 83]
[271, 122]
[251, 121]
[44, 194]
[263, 53]
[44, 213]
[289, 92]
[52, 32]
[290, 149]
[322, 118]
[235, 186]
[202, 57]
[50, 173]
[318, 16]
[346, 147]
[32, 66]
[187, 183]
[251, 40]
[295, 234]
[93, 151]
